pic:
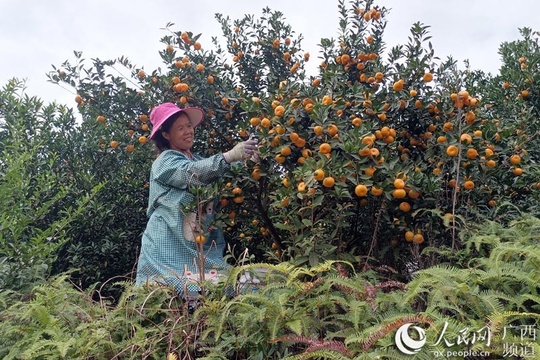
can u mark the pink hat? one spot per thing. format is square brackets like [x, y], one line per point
[163, 112]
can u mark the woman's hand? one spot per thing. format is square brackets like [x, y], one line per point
[241, 151]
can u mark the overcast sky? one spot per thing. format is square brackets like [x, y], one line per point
[34, 34]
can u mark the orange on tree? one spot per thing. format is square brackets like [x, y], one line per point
[285, 151]
[409, 235]
[398, 85]
[279, 111]
[325, 148]
[265, 123]
[399, 184]
[418, 238]
[399, 193]
[452, 150]
[255, 121]
[332, 129]
[327, 100]
[469, 184]
[515, 159]
[405, 206]
[361, 190]
[427, 77]
[328, 181]
[318, 174]
[472, 153]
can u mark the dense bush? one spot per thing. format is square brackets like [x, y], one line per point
[328, 311]
[368, 161]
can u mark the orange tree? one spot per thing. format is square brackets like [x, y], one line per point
[380, 156]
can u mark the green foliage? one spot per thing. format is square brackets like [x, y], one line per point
[328, 311]
[34, 217]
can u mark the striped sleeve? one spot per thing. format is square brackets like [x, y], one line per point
[176, 170]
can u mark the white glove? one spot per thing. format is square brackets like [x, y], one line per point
[242, 150]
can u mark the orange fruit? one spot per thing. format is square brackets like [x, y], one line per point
[452, 150]
[418, 239]
[114, 144]
[318, 174]
[302, 187]
[318, 130]
[506, 85]
[361, 190]
[356, 122]
[413, 93]
[101, 118]
[517, 171]
[428, 77]
[285, 151]
[414, 194]
[238, 199]
[370, 171]
[472, 153]
[280, 158]
[466, 138]
[398, 85]
[325, 148]
[328, 182]
[332, 129]
[327, 100]
[316, 82]
[405, 206]
[256, 174]
[279, 111]
[265, 123]
[200, 239]
[141, 74]
[399, 184]
[469, 184]
[399, 193]
[142, 139]
[515, 159]
[441, 139]
[294, 137]
[409, 236]
[130, 148]
[300, 143]
[210, 79]
[306, 153]
[143, 118]
[491, 163]
[236, 191]
[470, 116]
[78, 99]
[255, 121]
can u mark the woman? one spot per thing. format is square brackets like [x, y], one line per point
[169, 249]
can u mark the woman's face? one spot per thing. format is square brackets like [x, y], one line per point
[181, 134]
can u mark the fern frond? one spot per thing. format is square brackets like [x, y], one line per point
[388, 325]
[315, 346]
